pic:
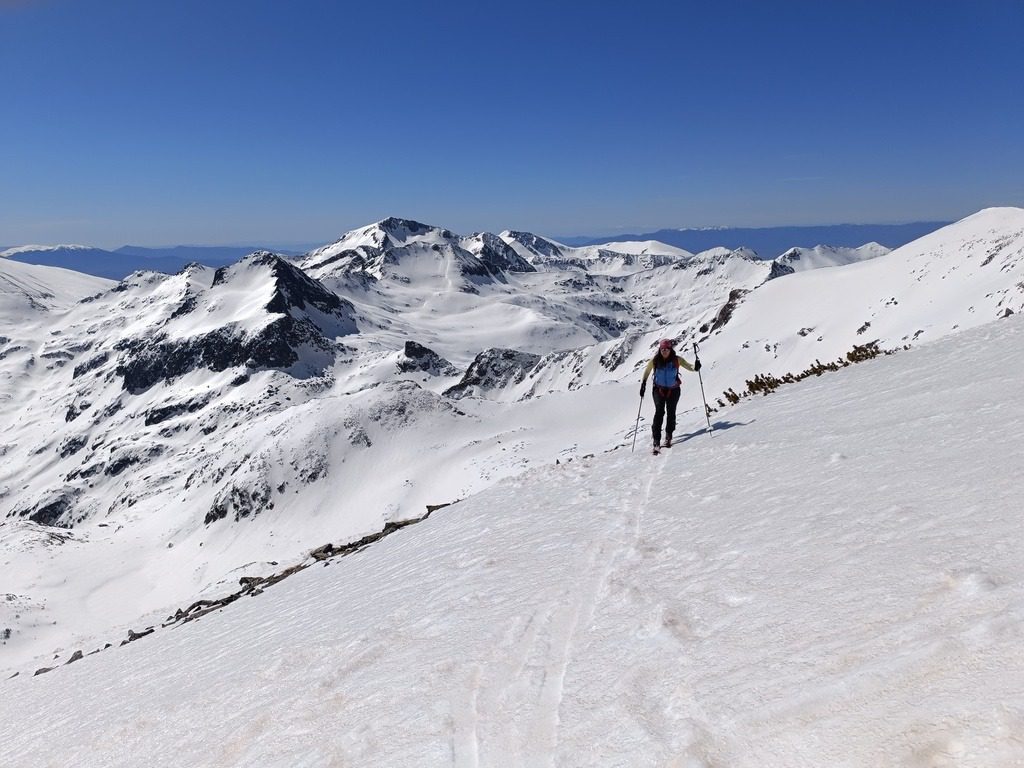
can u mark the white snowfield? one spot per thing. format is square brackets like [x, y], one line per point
[834, 578]
[26, 289]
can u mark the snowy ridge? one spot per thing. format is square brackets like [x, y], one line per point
[800, 259]
[771, 242]
[967, 274]
[609, 259]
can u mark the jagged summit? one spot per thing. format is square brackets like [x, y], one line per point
[375, 253]
[392, 232]
[405, 251]
[496, 253]
[534, 244]
[292, 288]
[402, 230]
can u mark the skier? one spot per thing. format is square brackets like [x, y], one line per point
[666, 388]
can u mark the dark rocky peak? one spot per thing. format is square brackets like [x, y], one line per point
[417, 358]
[402, 229]
[496, 253]
[783, 265]
[793, 254]
[298, 334]
[537, 244]
[394, 232]
[494, 369]
[780, 268]
[293, 288]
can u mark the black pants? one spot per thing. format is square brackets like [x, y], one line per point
[665, 399]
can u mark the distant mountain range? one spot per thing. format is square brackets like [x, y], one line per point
[119, 263]
[769, 242]
[649, 249]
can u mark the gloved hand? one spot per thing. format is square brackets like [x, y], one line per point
[696, 363]
[643, 388]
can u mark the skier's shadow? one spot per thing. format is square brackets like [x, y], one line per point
[718, 426]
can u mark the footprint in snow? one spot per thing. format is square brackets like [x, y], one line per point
[969, 583]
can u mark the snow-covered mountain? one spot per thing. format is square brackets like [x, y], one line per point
[215, 423]
[410, 252]
[618, 258]
[834, 578]
[800, 259]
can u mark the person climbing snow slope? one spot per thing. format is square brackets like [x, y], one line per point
[666, 388]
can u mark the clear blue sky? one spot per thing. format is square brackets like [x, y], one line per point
[221, 121]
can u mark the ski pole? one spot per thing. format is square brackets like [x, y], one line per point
[707, 412]
[637, 427]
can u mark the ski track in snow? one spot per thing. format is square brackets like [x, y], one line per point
[541, 648]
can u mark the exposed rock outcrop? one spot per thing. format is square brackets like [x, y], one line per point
[416, 357]
[494, 369]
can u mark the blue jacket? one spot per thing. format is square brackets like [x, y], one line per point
[667, 375]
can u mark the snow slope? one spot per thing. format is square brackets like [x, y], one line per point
[961, 276]
[32, 299]
[836, 577]
[27, 290]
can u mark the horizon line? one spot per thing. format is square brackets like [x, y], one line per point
[635, 231]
